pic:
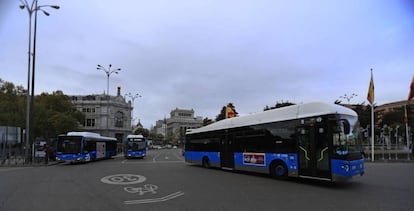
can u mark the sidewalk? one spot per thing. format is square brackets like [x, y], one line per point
[19, 161]
[389, 161]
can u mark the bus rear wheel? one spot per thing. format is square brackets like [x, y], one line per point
[278, 170]
[206, 162]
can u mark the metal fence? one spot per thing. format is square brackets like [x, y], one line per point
[12, 149]
[389, 146]
[15, 156]
[391, 152]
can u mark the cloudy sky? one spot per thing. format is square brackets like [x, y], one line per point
[204, 54]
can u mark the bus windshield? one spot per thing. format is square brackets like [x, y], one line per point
[347, 136]
[69, 145]
[136, 145]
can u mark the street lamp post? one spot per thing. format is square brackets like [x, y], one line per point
[31, 8]
[348, 98]
[133, 97]
[108, 71]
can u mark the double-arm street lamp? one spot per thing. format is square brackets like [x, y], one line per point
[348, 98]
[108, 71]
[133, 97]
[31, 8]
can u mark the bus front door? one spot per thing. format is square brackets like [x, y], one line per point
[313, 153]
[227, 152]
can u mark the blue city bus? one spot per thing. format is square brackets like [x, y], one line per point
[314, 140]
[135, 146]
[84, 147]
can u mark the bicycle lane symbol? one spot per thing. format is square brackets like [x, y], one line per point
[148, 188]
[131, 179]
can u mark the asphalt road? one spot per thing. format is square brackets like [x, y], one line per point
[163, 181]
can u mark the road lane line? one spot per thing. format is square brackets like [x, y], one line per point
[154, 159]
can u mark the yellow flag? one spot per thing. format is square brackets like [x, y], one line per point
[370, 96]
[230, 112]
[411, 94]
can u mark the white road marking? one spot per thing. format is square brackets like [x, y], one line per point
[162, 199]
[123, 179]
[148, 188]
[154, 159]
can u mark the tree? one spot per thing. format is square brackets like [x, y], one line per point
[396, 117]
[55, 114]
[364, 114]
[157, 138]
[222, 114]
[142, 131]
[278, 105]
[207, 121]
[12, 104]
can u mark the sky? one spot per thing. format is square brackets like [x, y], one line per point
[205, 54]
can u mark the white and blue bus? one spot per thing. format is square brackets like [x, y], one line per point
[314, 140]
[84, 147]
[135, 146]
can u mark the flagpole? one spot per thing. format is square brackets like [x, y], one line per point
[406, 131]
[371, 99]
[410, 96]
[372, 132]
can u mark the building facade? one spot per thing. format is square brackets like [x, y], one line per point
[399, 106]
[161, 127]
[104, 114]
[180, 120]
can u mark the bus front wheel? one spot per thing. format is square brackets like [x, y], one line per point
[278, 170]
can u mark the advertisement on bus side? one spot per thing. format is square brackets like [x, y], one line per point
[257, 159]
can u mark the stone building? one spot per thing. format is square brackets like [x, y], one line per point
[179, 122]
[382, 110]
[174, 128]
[104, 114]
[161, 127]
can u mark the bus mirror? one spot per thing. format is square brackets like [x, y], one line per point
[347, 126]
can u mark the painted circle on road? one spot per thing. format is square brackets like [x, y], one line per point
[123, 179]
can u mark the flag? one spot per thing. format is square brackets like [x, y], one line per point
[370, 96]
[230, 112]
[411, 94]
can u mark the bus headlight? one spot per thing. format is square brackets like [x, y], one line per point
[345, 167]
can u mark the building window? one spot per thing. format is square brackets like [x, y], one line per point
[90, 123]
[119, 119]
[88, 110]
